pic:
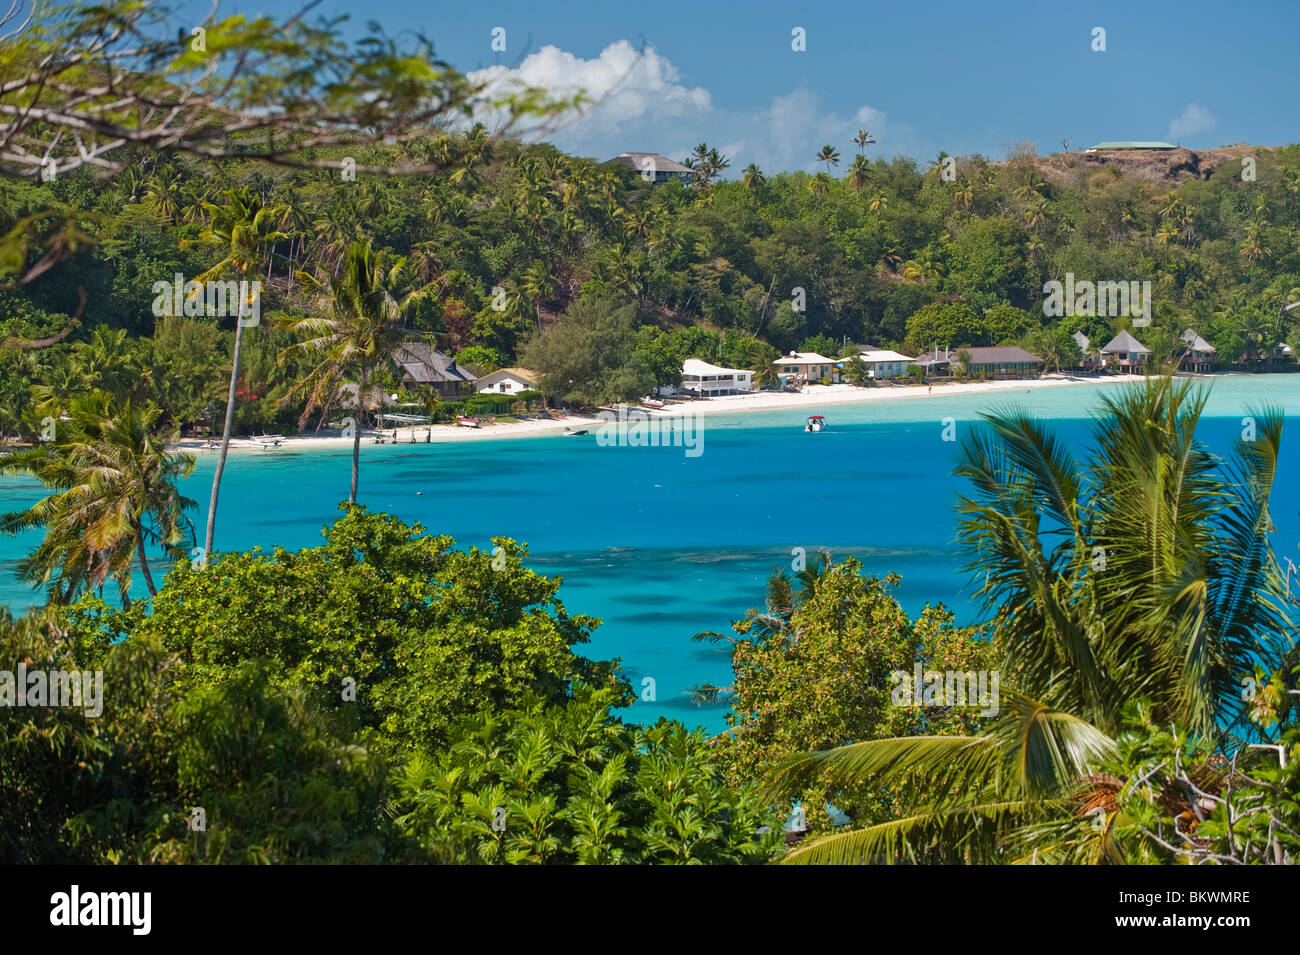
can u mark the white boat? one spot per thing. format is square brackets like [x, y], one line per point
[267, 440]
[468, 422]
[652, 403]
[815, 423]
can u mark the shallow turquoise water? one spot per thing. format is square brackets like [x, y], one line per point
[661, 545]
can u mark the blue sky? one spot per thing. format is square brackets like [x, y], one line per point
[923, 77]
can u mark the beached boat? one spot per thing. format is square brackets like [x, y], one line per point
[467, 422]
[815, 423]
[267, 440]
[652, 403]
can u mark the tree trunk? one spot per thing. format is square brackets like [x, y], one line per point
[144, 561]
[225, 438]
[356, 436]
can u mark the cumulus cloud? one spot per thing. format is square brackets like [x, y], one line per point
[623, 87]
[641, 104]
[1194, 119]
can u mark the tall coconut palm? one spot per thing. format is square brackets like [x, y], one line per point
[859, 175]
[245, 229]
[1142, 570]
[830, 156]
[360, 328]
[114, 484]
[878, 204]
[863, 139]
[753, 179]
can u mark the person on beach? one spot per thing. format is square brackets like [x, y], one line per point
[929, 389]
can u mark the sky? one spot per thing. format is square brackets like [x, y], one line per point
[923, 77]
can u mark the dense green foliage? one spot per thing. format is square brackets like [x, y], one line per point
[316, 707]
[514, 237]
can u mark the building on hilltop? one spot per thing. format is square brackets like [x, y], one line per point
[1129, 144]
[652, 164]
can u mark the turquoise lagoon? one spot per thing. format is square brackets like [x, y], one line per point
[661, 545]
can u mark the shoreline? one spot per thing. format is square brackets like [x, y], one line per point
[812, 396]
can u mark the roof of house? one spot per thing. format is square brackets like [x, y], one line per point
[1134, 144]
[880, 355]
[1082, 341]
[980, 355]
[803, 358]
[693, 366]
[661, 163]
[426, 365]
[1197, 342]
[1124, 343]
[501, 374]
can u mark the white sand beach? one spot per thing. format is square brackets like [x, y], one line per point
[812, 396]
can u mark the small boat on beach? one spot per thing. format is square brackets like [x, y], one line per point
[652, 403]
[266, 441]
[815, 423]
[467, 422]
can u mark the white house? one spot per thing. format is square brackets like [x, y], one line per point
[702, 379]
[884, 363]
[507, 381]
[806, 367]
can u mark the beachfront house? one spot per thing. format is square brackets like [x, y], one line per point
[703, 380]
[1091, 361]
[883, 363]
[421, 364]
[1002, 361]
[1200, 356]
[805, 367]
[656, 167]
[1127, 352]
[507, 381]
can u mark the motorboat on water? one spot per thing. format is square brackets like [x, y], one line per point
[570, 432]
[815, 423]
[266, 441]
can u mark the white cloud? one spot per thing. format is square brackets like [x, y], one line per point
[622, 87]
[642, 105]
[1194, 119]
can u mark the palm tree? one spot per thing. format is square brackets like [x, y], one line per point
[114, 484]
[753, 179]
[862, 140]
[361, 328]
[819, 184]
[965, 195]
[879, 204]
[245, 230]
[1142, 570]
[859, 175]
[538, 285]
[829, 155]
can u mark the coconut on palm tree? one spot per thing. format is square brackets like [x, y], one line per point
[1139, 573]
